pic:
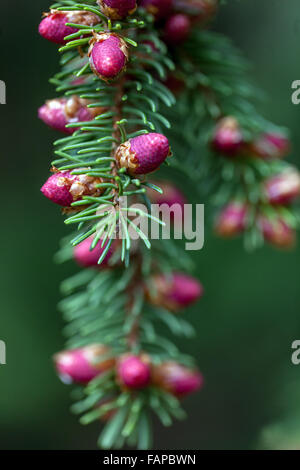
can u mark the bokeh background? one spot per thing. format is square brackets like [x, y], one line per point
[250, 314]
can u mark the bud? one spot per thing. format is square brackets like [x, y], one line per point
[158, 8]
[270, 145]
[177, 29]
[228, 137]
[175, 85]
[143, 154]
[201, 10]
[117, 9]
[83, 364]
[277, 232]
[151, 45]
[177, 379]
[79, 81]
[283, 188]
[108, 55]
[171, 197]
[134, 371]
[59, 112]
[53, 26]
[174, 292]
[87, 258]
[232, 220]
[63, 188]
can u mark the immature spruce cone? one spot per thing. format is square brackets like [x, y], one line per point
[158, 8]
[200, 10]
[117, 9]
[177, 379]
[53, 26]
[63, 188]
[177, 29]
[232, 219]
[277, 232]
[83, 364]
[228, 137]
[174, 292]
[134, 371]
[87, 258]
[143, 154]
[108, 55]
[171, 196]
[270, 145]
[175, 84]
[283, 188]
[59, 112]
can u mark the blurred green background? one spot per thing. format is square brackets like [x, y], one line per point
[250, 314]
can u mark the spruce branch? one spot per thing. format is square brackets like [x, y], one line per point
[111, 78]
[232, 180]
[130, 83]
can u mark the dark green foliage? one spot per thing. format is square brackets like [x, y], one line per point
[96, 303]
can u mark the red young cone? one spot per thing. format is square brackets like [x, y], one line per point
[174, 292]
[177, 379]
[277, 232]
[232, 219]
[176, 85]
[177, 29]
[158, 8]
[117, 9]
[53, 26]
[171, 196]
[60, 112]
[63, 188]
[283, 188]
[83, 364]
[134, 371]
[108, 55]
[270, 145]
[228, 138]
[87, 258]
[201, 10]
[143, 154]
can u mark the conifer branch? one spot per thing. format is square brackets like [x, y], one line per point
[114, 311]
[121, 69]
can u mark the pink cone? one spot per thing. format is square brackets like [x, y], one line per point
[174, 292]
[59, 112]
[228, 137]
[134, 371]
[177, 379]
[151, 44]
[63, 188]
[117, 9]
[174, 84]
[200, 10]
[177, 29]
[270, 145]
[171, 196]
[232, 220]
[158, 8]
[143, 154]
[86, 257]
[277, 232]
[283, 188]
[108, 55]
[53, 26]
[83, 364]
